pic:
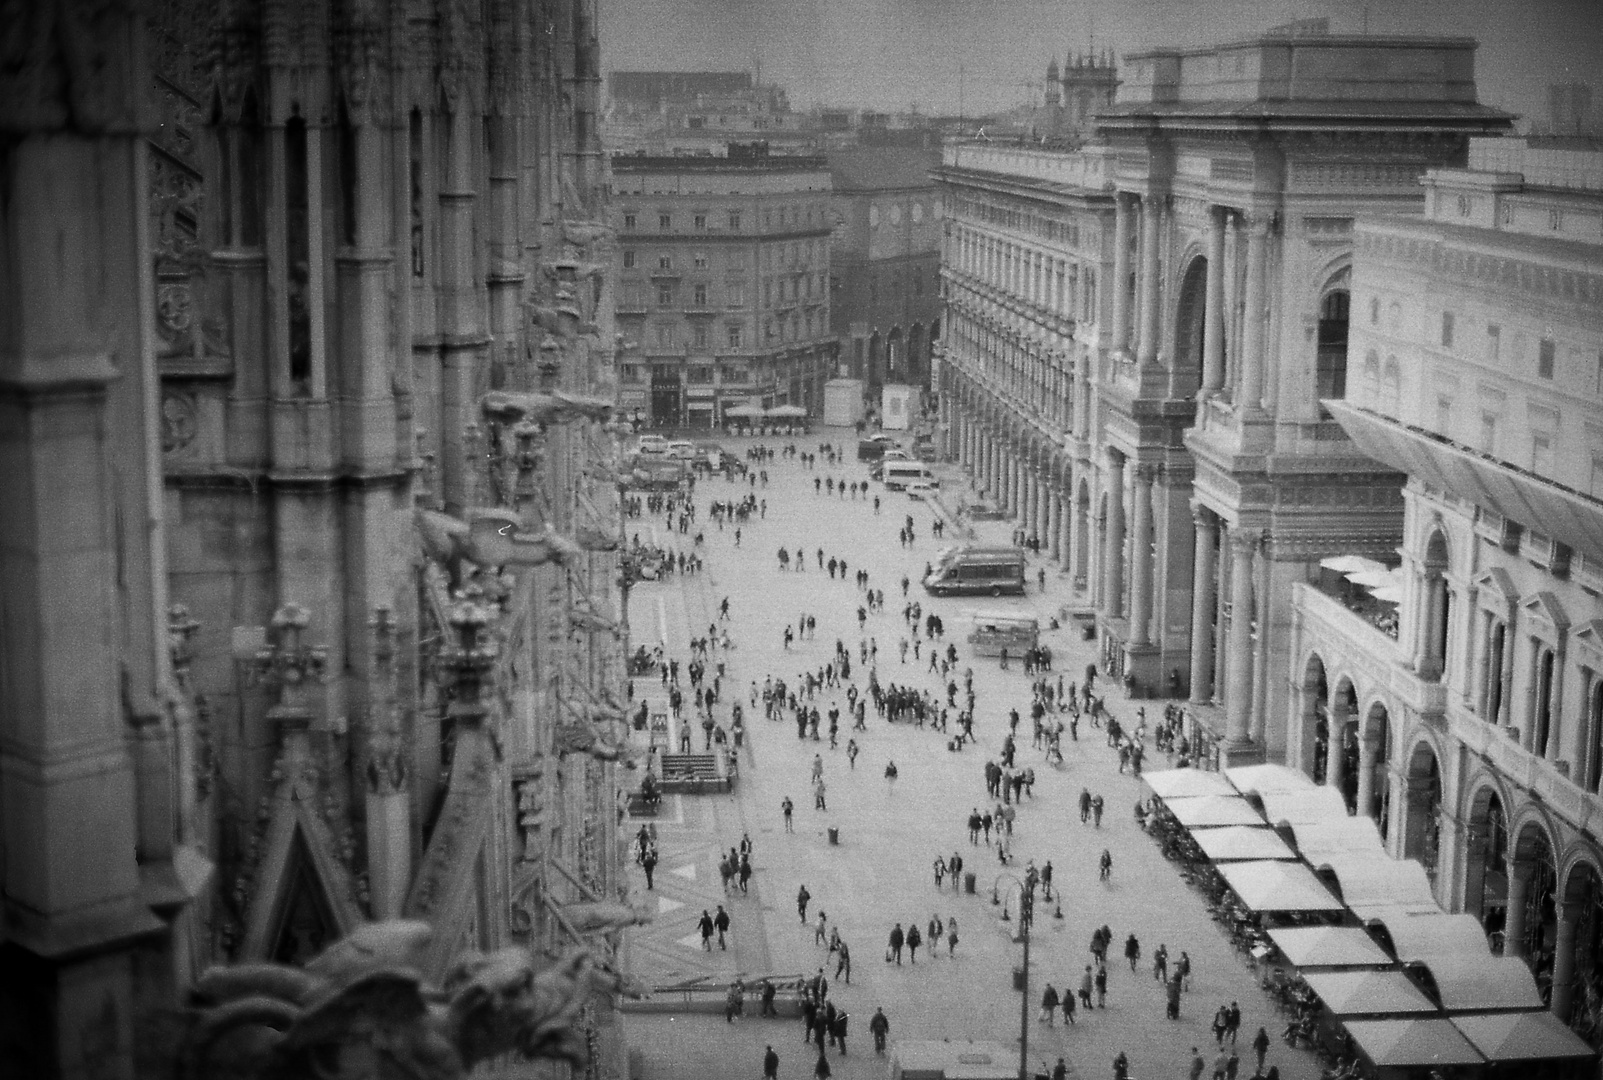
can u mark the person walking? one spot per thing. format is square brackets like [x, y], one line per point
[837, 1031]
[1049, 1004]
[1197, 1064]
[1132, 950]
[821, 1069]
[802, 897]
[1085, 805]
[879, 1026]
[818, 795]
[769, 992]
[940, 871]
[897, 939]
[1096, 810]
[1160, 963]
[1105, 865]
[1220, 1023]
[1101, 982]
[770, 1065]
[1087, 984]
[951, 936]
[1183, 968]
[788, 809]
[705, 923]
[914, 940]
[1260, 1046]
[649, 863]
[843, 963]
[1067, 1001]
[1232, 1022]
[1171, 990]
[721, 922]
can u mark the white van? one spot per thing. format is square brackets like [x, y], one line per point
[898, 474]
[653, 444]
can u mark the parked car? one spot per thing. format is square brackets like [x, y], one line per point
[923, 489]
[681, 450]
[653, 444]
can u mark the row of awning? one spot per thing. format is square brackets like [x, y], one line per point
[1487, 1007]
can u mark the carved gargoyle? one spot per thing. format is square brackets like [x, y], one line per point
[510, 406]
[585, 619]
[364, 1009]
[592, 538]
[604, 916]
[493, 538]
[584, 738]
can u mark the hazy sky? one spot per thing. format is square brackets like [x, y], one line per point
[891, 54]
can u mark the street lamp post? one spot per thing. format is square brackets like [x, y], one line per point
[1026, 917]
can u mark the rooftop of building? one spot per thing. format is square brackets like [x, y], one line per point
[1303, 71]
[1558, 163]
[707, 163]
[676, 85]
[883, 168]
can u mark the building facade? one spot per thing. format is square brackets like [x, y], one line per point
[1471, 725]
[670, 113]
[1212, 480]
[723, 284]
[885, 257]
[310, 613]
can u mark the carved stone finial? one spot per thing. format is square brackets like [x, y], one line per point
[465, 663]
[182, 628]
[288, 664]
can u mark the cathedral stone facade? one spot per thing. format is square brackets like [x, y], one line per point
[311, 607]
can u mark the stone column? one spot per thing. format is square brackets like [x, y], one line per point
[1122, 222]
[1335, 759]
[1568, 916]
[1252, 331]
[1213, 314]
[1238, 671]
[1204, 574]
[1015, 470]
[1519, 884]
[1141, 557]
[1054, 527]
[1079, 531]
[1151, 217]
[1113, 547]
[1368, 756]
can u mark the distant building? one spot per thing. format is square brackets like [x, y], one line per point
[665, 113]
[1471, 724]
[723, 284]
[1084, 86]
[1569, 109]
[886, 258]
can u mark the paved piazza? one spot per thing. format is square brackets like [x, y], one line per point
[891, 832]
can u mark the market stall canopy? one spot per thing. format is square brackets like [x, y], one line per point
[1369, 883]
[1187, 783]
[1416, 937]
[1209, 811]
[1329, 946]
[1261, 779]
[1312, 806]
[784, 411]
[1482, 983]
[1404, 1043]
[1352, 564]
[1278, 886]
[1317, 841]
[1529, 1036]
[1239, 843]
[752, 411]
[1368, 993]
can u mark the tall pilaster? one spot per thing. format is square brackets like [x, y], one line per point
[1124, 212]
[1238, 673]
[1147, 276]
[1113, 545]
[1204, 577]
[1213, 314]
[1141, 557]
[1253, 329]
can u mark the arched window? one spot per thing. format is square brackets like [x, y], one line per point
[1331, 361]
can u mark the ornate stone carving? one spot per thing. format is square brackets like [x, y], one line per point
[65, 66]
[364, 1009]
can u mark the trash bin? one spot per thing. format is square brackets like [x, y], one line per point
[1018, 979]
[834, 837]
[1088, 632]
[968, 882]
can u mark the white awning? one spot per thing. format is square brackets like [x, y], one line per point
[1242, 843]
[1186, 783]
[1567, 516]
[1369, 993]
[1415, 937]
[1317, 841]
[1310, 806]
[1528, 1036]
[1278, 886]
[1262, 779]
[1213, 811]
[1400, 1044]
[1366, 881]
[1329, 946]
[1468, 982]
